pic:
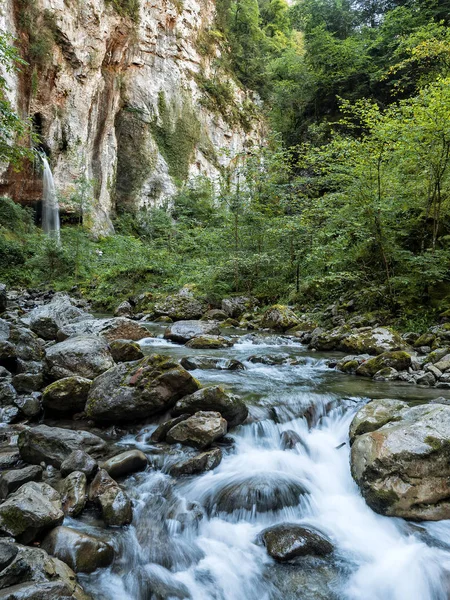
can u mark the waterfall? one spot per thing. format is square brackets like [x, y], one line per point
[50, 205]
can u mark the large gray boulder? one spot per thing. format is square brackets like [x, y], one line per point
[86, 356]
[138, 390]
[12, 480]
[180, 306]
[371, 341]
[114, 504]
[237, 306]
[27, 346]
[375, 414]
[29, 512]
[288, 542]
[214, 398]
[67, 395]
[402, 463]
[117, 328]
[279, 317]
[47, 319]
[183, 331]
[200, 430]
[52, 445]
[78, 460]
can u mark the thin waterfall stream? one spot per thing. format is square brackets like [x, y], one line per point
[50, 204]
[196, 537]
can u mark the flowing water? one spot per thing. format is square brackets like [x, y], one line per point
[191, 538]
[50, 205]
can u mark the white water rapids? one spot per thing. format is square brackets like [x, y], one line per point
[170, 552]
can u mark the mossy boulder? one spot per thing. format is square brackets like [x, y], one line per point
[138, 390]
[125, 351]
[236, 306]
[386, 374]
[214, 398]
[209, 342]
[371, 341]
[375, 414]
[400, 361]
[85, 356]
[180, 307]
[280, 318]
[67, 395]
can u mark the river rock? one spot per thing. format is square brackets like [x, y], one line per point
[78, 460]
[3, 298]
[375, 414]
[159, 435]
[371, 341]
[235, 307]
[10, 481]
[67, 395]
[8, 356]
[124, 309]
[289, 439]
[117, 328]
[279, 317]
[181, 306]
[125, 463]
[30, 406]
[386, 374]
[402, 467]
[215, 315]
[7, 393]
[138, 390]
[125, 351]
[214, 398]
[183, 331]
[288, 541]
[208, 362]
[53, 445]
[400, 361]
[82, 552]
[47, 319]
[33, 509]
[209, 342]
[113, 502]
[443, 364]
[86, 356]
[73, 493]
[26, 383]
[205, 461]
[200, 430]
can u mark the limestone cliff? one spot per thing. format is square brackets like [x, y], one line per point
[127, 95]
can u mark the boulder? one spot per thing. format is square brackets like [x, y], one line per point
[402, 466]
[386, 374]
[7, 393]
[235, 307]
[371, 341]
[82, 552]
[181, 306]
[426, 339]
[400, 361]
[26, 383]
[159, 435]
[30, 406]
[3, 298]
[78, 460]
[375, 414]
[86, 356]
[279, 317]
[200, 430]
[209, 342]
[208, 362]
[67, 395]
[183, 331]
[52, 445]
[215, 315]
[73, 493]
[214, 398]
[125, 351]
[47, 319]
[443, 364]
[114, 504]
[31, 511]
[288, 541]
[125, 463]
[124, 310]
[117, 328]
[10, 481]
[425, 379]
[290, 439]
[205, 461]
[138, 390]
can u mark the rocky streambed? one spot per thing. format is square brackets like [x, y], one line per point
[148, 461]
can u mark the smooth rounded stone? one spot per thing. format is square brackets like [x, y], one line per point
[214, 398]
[47, 319]
[33, 509]
[183, 331]
[403, 467]
[52, 445]
[115, 506]
[82, 552]
[124, 310]
[8, 393]
[400, 361]
[200, 430]
[261, 492]
[125, 463]
[30, 406]
[73, 493]
[209, 342]
[159, 435]
[138, 390]
[78, 460]
[67, 395]
[117, 328]
[215, 314]
[311, 578]
[47, 590]
[386, 374]
[279, 317]
[235, 307]
[3, 298]
[205, 461]
[207, 362]
[375, 414]
[288, 541]
[86, 356]
[289, 439]
[159, 583]
[180, 306]
[373, 341]
[10, 481]
[125, 351]
[269, 359]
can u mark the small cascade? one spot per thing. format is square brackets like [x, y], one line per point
[50, 205]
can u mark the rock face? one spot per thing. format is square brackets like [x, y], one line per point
[118, 328]
[46, 320]
[114, 504]
[287, 541]
[183, 331]
[67, 395]
[214, 398]
[279, 317]
[402, 463]
[138, 390]
[86, 356]
[200, 430]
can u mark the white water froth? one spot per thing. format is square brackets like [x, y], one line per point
[50, 205]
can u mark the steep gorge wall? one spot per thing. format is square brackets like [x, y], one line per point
[121, 101]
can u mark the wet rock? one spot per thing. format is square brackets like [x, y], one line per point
[159, 435]
[288, 541]
[214, 398]
[375, 414]
[28, 382]
[235, 307]
[29, 512]
[3, 298]
[124, 310]
[279, 317]
[205, 461]
[86, 356]
[82, 552]
[181, 306]
[47, 319]
[290, 439]
[9, 457]
[207, 362]
[7, 393]
[425, 379]
[311, 578]
[118, 328]
[386, 374]
[73, 493]
[52, 445]
[372, 341]
[269, 359]
[79, 461]
[113, 502]
[402, 467]
[209, 342]
[9, 414]
[430, 368]
[215, 315]
[30, 406]
[67, 395]
[200, 430]
[159, 583]
[125, 351]
[125, 463]
[183, 331]
[8, 552]
[10, 481]
[132, 391]
[400, 361]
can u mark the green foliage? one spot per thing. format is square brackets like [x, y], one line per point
[126, 8]
[39, 27]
